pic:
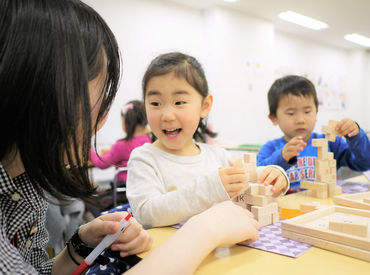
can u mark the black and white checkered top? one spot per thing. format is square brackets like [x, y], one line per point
[23, 235]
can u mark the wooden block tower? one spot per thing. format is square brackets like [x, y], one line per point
[255, 197]
[325, 166]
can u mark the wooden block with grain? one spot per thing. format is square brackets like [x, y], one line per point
[357, 229]
[250, 158]
[306, 207]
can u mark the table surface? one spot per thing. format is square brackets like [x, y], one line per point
[246, 260]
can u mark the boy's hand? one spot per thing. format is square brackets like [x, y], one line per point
[347, 127]
[233, 179]
[274, 176]
[290, 150]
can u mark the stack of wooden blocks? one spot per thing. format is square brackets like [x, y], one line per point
[325, 166]
[257, 198]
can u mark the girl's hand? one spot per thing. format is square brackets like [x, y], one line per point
[226, 224]
[292, 148]
[274, 176]
[233, 179]
[133, 240]
[103, 151]
[347, 127]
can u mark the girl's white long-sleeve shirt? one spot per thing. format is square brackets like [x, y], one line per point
[165, 189]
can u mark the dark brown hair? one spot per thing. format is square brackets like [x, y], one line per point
[290, 84]
[49, 51]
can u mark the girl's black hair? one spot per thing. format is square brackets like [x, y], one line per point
[133, 117]
[189, 68]
[49, 51]
[290, 84]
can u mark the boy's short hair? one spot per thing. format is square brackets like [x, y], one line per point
[290, 84]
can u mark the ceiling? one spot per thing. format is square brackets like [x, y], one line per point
[342, 16]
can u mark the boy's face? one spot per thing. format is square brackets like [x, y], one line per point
[296, 116]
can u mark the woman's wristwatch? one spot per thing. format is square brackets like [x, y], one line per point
[83, 249]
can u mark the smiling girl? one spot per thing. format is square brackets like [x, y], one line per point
[176, 177]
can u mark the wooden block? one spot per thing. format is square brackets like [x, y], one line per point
[250, 158]
[253, 189]
[251, 170]
[245, 198]
[338, 190]
[330, 155]
[320, 194]
[269, 209]
[320, 142]
[316, 224]
[333, 170]
[328, 245]
[313, 185]
[253, 176]
[259, 200]
[322, 153]
[324, 178]
[257, 211]
[235, 161]
[275, 217]
[322, 167]
[333, 124]
[306, 207]
[240, 203]
[330, 130]
[331, 188]
[354, 200]
[265, 190]
[265, 220]
[349, 228]
[367, 200]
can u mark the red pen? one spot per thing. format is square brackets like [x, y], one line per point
[106, 242]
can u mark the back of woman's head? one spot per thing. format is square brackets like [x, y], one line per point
[183, 66]
[134, 116]
[49, 51]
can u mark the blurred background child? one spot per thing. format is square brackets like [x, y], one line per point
[134, 124]
[293, 105]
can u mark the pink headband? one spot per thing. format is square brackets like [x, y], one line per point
[127, 107]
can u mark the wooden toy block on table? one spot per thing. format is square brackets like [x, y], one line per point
[357, 200]
[256, 197]
[320, 228]
[358, 229]
[306, 207]
[325, 167]
[330, 130]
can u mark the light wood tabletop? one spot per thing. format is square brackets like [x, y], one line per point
[246, 260]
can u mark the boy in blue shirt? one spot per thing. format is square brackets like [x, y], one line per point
[293, 105]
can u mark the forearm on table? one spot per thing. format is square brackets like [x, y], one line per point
[180, 254]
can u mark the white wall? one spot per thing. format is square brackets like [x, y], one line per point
[145, 29]
[242, 56]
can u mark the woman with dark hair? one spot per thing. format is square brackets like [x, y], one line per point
[59, 72]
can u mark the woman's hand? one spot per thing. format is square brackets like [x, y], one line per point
[133, 240]
[226, 224]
